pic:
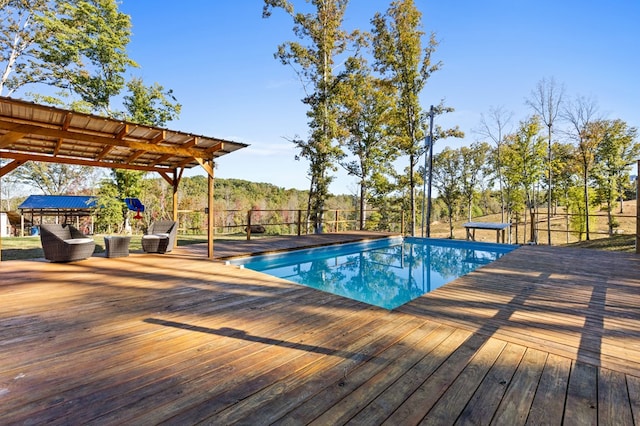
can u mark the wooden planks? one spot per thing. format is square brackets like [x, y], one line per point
[580, 305]
[543, 336]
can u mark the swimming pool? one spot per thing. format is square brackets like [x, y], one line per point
[387, 273]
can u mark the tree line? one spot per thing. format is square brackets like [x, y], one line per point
[588, 165]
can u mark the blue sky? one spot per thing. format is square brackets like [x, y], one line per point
[217, 57]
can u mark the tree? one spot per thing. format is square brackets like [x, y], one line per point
[546, 101]
[54, 178]
[473, 164]
[447, 178]
[18, 33]
[365, 102]
[565, 168]
[579, 222]
[614, 156]
[580, 113]
[314, 64]
[524, 162]
[400, 59]
[108, 211]
[82, 49]
[494, 128]
[150, 105]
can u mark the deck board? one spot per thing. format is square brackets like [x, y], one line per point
[544, 335]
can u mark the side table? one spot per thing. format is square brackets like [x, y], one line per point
[117, 245]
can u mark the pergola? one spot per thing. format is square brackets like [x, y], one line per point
[32, 132]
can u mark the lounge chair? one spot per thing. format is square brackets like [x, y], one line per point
[161, 237]
[64, 243]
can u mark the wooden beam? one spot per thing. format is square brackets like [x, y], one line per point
[162, 158]
[166, 177]
[67, 121]
[176, 182]
[205, 165]
[217, 147]
[81, 162]
[9, 138]
[192, 142]
[159, 137]
[134, 156]
[103, 140]
[638, 210]
[56, 150]
[124, 131]
[210, 215]
[10, 167]
[185, 162]
[104, 152]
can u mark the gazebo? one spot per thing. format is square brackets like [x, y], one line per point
[33, 132]
[68, 207]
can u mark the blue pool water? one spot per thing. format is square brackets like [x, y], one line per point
[386, 273]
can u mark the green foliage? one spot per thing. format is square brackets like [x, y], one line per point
[473, 172]
[108, 211]
[614, 157]
[581, 116]
[579, 218]
[18, 32]
[314, 64]
[447, 178]
[83, 49]
[406, 66]
[56, 178]
[564, 169]
[365, 106]
[150, 105]
[523, 164]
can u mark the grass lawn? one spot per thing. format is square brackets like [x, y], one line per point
[17, 248]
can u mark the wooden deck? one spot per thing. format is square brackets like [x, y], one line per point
[542, 336]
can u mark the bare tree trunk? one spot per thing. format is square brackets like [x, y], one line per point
[450, 223]
[586, 204]
[363, 193]
[609, 218]
[412, 197]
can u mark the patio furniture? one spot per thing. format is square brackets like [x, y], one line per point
[117, 245]
[161, 237]
[64, 243]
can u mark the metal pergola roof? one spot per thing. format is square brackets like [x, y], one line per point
[46, 205]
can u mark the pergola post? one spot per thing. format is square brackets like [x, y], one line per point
[210, 224]
[1, 210]
[176, 182]
[638, 210]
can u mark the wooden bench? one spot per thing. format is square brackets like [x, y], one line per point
[500, 228]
